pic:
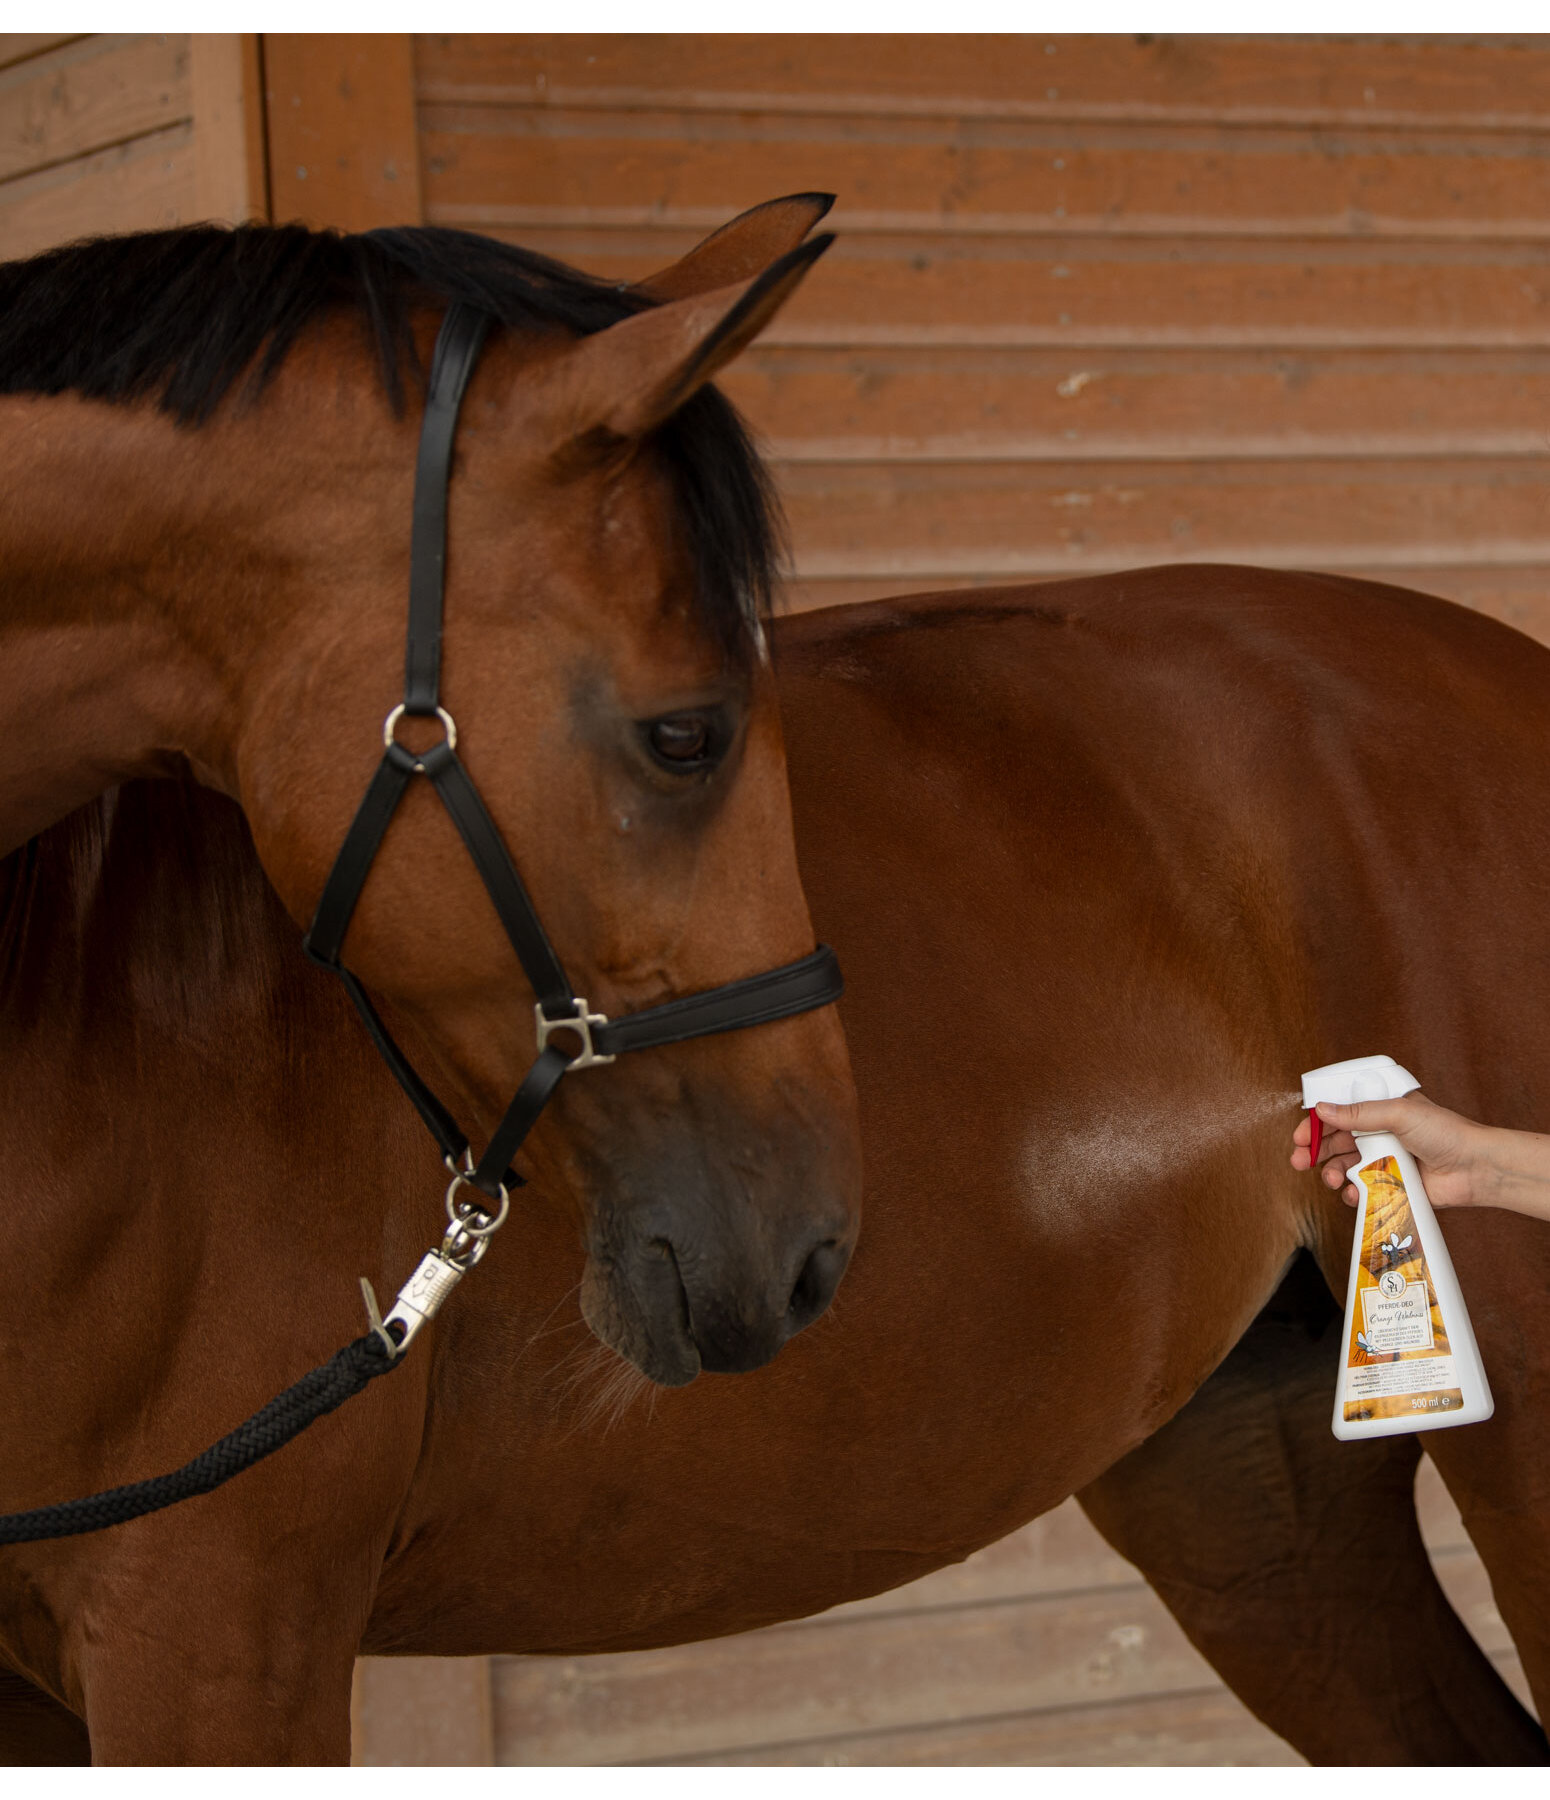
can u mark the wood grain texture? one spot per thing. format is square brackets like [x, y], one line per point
[420, 1711]
[819, 404]
[87, 95]
[18, 46]
[226, 81]
[1304, 81]
[927, 291]
[843, 1676]
[1208, 1727]
[538, 166]
[139, 186]
[951, 521]
[341, 127]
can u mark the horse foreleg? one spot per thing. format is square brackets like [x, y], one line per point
[35, 1730]
[236, 1682]
[1295, 1564]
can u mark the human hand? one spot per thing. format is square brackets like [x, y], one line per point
[1447, 1147]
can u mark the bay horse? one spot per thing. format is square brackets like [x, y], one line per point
[1108, 862]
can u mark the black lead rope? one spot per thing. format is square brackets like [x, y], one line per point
[339, 1379]
[761, 999]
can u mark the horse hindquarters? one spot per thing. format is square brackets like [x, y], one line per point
[1295, 1564]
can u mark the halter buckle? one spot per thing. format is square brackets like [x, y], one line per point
[587, 1057]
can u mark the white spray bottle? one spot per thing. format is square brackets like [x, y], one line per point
[1409, 1360]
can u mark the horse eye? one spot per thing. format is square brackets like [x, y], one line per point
[682, 740]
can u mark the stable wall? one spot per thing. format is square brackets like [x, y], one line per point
[1095, 303]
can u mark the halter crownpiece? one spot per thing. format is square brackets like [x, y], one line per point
[780, 993]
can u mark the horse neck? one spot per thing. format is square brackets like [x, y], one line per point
[144, 566]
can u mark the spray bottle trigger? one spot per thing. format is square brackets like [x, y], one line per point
[1315, 1136]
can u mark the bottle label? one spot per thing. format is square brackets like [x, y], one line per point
[1398, 1359]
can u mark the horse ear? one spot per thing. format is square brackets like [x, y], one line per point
[740, 248]
[620, 384]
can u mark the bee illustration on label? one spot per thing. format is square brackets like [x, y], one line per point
[1362, 1344]
[1394, 1247]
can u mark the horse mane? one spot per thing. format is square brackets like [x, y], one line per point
[181, 316]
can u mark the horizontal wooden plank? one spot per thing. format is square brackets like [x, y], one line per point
[925, 291]
[19, 46]
[140, 186]
[545, 166]
[921, 520]
[1211, 1727]
[421, 1711]
[841, 1676]
[1253, 80]
[814, 404]
[97, 92]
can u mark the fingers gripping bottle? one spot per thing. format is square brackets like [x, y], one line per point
[1409, 1360]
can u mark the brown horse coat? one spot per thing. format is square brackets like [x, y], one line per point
[1107, 863]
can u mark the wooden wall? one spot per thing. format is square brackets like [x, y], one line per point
[125, 133]
[1096, 302]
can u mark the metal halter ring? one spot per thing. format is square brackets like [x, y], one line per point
[448, 725]
[466, 1223]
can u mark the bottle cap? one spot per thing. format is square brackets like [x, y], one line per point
[1362, 1078]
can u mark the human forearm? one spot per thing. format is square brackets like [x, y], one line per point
[1512, 1169]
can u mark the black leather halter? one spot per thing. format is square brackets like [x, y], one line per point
[756, 1000]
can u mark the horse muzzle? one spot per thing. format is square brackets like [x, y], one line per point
[674, 1289]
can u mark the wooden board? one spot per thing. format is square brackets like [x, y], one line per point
[539, 167]
[1208, 1726]
[341, 125]
[94, 92]
[1304, 81]
[1310, 274]
[948, 521]
[842, 1676]
[139, 186]
[18, 46]
[230, 159]
[822, 404]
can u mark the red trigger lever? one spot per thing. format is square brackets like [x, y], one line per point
[1315, 1136]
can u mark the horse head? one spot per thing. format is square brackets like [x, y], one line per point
[608, 534]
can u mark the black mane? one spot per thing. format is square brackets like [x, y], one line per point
[182, 315]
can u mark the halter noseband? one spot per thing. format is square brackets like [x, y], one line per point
[780, 993]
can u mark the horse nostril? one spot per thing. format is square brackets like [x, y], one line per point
[815, 1284]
